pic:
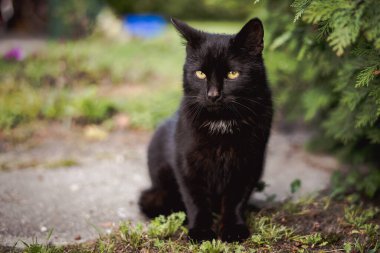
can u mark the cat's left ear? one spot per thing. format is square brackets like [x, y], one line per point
[191, 35]
[251, 37]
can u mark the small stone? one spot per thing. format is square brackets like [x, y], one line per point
[316, 226]
[43, 229]
[122, 213]
[107, 224]
[74, 187]
[138, 178]
[77, 237]
[122, 121]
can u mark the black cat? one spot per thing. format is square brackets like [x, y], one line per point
[209, 155]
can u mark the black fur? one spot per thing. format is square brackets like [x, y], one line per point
[208, 157]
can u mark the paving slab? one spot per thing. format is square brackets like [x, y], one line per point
[101, 187]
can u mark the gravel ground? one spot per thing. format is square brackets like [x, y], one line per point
[99, 187]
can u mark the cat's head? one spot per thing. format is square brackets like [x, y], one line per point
[222, 71]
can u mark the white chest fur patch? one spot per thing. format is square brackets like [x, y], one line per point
[221, 126]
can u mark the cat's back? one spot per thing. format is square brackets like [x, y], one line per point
[162, 145]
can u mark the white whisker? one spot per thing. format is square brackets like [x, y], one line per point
[221, 126]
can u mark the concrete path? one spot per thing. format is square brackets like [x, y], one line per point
[100, 187]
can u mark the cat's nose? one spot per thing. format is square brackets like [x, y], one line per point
[213, 94]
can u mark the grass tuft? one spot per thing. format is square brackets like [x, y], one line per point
[343, 228]
[164, 227]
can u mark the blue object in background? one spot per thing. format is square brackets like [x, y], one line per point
[144, 25]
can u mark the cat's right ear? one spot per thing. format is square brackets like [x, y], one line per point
[251, 37]
[191, 35]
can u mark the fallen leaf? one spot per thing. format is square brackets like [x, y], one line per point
[121, 121]
[94, 132]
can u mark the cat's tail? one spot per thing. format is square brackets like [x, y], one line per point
[155, 201]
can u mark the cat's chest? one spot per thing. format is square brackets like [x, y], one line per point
[216, 165]
[213, 157]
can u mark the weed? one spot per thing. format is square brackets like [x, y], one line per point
[164, 246]
[265, 231]
[62, 163]
[93, 108]
[36, 247]
[311, 240]
[376, 248]
[368, 184]
[166, 234]
[132, 235]
[18, 105]
[159, 244]
[295, 186]
[359, 246]
[299, 205]
[105, 246]
[164, 227]
[347, 247]
[371, 230]
[51, 83]
[214, 246]
[357, 216]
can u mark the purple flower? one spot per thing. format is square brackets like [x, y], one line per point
[15, 53]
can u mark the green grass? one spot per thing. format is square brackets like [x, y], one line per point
[62, 163]
[317, 226]
[66, 81]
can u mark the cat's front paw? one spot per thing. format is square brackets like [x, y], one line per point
[201, 234]
[234, 233]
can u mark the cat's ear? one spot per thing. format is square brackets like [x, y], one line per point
[251, 37]
[191, 35]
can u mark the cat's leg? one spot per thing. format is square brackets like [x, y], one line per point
[233, 226]
[198, 208]
[163, 197]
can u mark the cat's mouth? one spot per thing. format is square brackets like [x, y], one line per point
[214, 107]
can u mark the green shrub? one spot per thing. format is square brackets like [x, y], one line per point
[343, 92]
[18, 105]
[72, 18]
[354, 181]
[332, 79]
[93, 109]
[204, 9]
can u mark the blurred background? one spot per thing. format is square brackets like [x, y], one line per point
[97, 67]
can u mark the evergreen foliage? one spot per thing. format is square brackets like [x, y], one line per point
[186, 9]
[72, 18]
[335, 82]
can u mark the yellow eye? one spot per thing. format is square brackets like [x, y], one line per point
[200, 74]
[233, 74]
